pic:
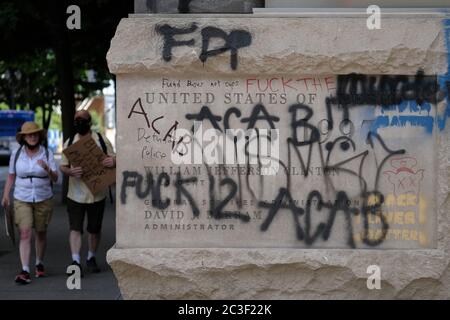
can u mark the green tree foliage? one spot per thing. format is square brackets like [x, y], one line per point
[43, 64]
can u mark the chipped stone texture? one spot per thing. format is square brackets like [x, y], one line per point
[309, 46]
[278, 274]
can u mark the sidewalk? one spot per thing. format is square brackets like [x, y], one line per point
[93, 286]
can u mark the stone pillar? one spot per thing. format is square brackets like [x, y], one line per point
[405, 4]
[354, 175]
[196, 6]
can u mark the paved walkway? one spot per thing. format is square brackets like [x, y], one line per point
[93, 286]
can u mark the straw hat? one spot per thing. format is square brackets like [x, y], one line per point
[28, 128]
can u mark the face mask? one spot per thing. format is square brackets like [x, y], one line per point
[82, 126]
[31, 147]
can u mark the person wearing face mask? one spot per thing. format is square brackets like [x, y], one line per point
[80, 200]
[32, 170]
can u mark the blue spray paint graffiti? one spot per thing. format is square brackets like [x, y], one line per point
[401, 121]
[415, 117]
[409, 105]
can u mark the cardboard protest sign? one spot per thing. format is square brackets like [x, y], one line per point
[85, 153]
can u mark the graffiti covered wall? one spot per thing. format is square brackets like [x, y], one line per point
[352, 170]
[353, 166]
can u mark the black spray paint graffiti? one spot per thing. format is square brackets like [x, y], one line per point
[342, 204]
[144, 187]
[284, 199]
[386, 90]
[168, 33]
[139, 110]
[233, 41]
[353, 90]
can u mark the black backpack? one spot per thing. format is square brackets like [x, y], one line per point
[104, 149]
[17, 158]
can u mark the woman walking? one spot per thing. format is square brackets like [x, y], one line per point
[32, 171]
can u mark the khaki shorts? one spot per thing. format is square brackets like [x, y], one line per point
[36, 215]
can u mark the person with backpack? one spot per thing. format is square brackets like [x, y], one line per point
[32, 171]
[80, 200]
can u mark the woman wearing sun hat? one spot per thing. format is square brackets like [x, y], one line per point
[32, 170]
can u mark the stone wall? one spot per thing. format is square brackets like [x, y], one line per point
[357, 172]
[196, 6]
